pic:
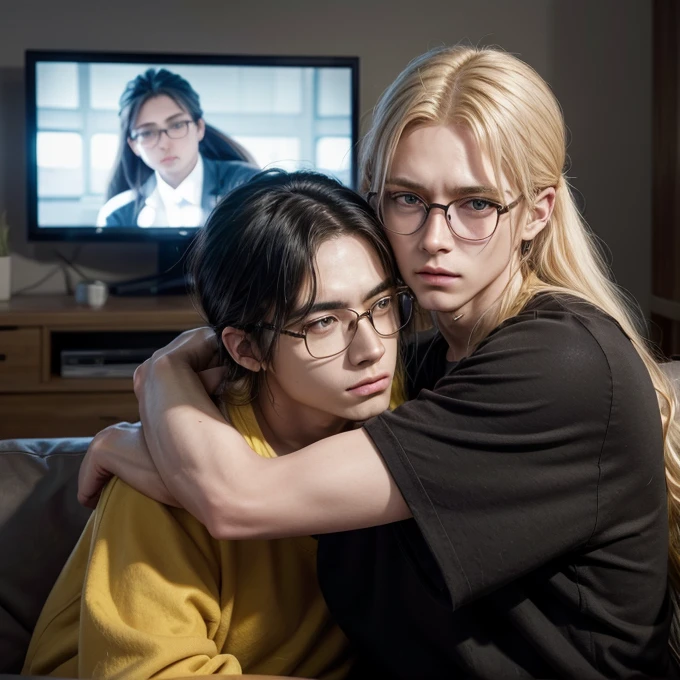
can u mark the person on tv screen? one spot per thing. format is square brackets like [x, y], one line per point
[171, 167]
[295, 276]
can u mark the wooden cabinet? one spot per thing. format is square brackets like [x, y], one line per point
[35, 400]
[19, 357]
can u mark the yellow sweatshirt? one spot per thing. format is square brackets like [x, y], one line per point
[148, 593]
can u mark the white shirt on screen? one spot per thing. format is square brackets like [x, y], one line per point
[156, 204]
[180, 207]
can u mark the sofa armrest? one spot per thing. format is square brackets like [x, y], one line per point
[40, 523]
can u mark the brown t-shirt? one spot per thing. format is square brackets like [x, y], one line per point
[534, 472]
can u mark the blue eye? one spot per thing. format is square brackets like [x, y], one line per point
[479, 204]
[406, 199]
[478, 207]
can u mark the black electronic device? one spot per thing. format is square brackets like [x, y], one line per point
[101, 363]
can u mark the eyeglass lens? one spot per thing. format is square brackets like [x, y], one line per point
[334, 332]
[470, 218]
[151, 136]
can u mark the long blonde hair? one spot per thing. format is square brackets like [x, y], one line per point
[516, 119]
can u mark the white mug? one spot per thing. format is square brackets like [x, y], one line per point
[92, 293]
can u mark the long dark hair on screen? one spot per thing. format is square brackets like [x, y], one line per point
[130, 171]
[257, 250]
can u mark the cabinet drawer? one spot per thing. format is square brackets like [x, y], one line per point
[65, 414]
[19, 358]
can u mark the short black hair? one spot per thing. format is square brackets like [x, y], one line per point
[257, 250]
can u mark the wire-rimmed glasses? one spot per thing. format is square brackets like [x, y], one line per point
[332, 332]
[469, 218]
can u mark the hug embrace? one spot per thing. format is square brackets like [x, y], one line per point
[515, 516]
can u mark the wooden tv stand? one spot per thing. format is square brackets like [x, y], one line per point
[35, 401]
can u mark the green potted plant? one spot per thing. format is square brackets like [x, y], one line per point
[5, 261]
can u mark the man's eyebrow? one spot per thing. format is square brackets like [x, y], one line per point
[167, 120]
[459, 192]
[176, 115]
[381, 287]
[330, 305]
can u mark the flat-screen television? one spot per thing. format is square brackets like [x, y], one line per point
[140, 147]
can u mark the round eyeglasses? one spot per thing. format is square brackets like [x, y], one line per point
[469, 218]
[333, 332]
[149, 137]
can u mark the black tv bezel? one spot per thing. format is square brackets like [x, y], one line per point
[134, 234]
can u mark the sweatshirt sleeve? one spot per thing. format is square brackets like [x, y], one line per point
[151, 605]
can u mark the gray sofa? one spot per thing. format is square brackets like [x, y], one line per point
[40, 522]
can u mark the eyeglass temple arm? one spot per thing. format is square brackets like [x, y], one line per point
[506, 208]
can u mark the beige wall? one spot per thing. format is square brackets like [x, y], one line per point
[595, 53]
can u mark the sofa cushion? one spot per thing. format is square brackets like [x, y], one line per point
[40, 522]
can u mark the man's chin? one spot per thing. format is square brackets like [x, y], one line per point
[439, 303]
[364, 412]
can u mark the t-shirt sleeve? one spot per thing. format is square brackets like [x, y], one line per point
[499, 464]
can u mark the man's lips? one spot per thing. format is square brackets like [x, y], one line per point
[436, 275]
[168, 159]
[371, 385]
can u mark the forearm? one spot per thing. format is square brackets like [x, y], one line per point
[205, 463]
[120, 450]
[336, 484]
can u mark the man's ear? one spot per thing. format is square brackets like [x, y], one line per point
[539, 214]
[200, 129]
[237, 342]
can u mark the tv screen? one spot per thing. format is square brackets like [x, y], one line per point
[125, 147]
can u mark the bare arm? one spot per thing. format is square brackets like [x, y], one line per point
[337, 484]
[120, 450]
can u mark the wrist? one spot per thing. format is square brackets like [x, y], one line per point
[171, 369]
[102, 449]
